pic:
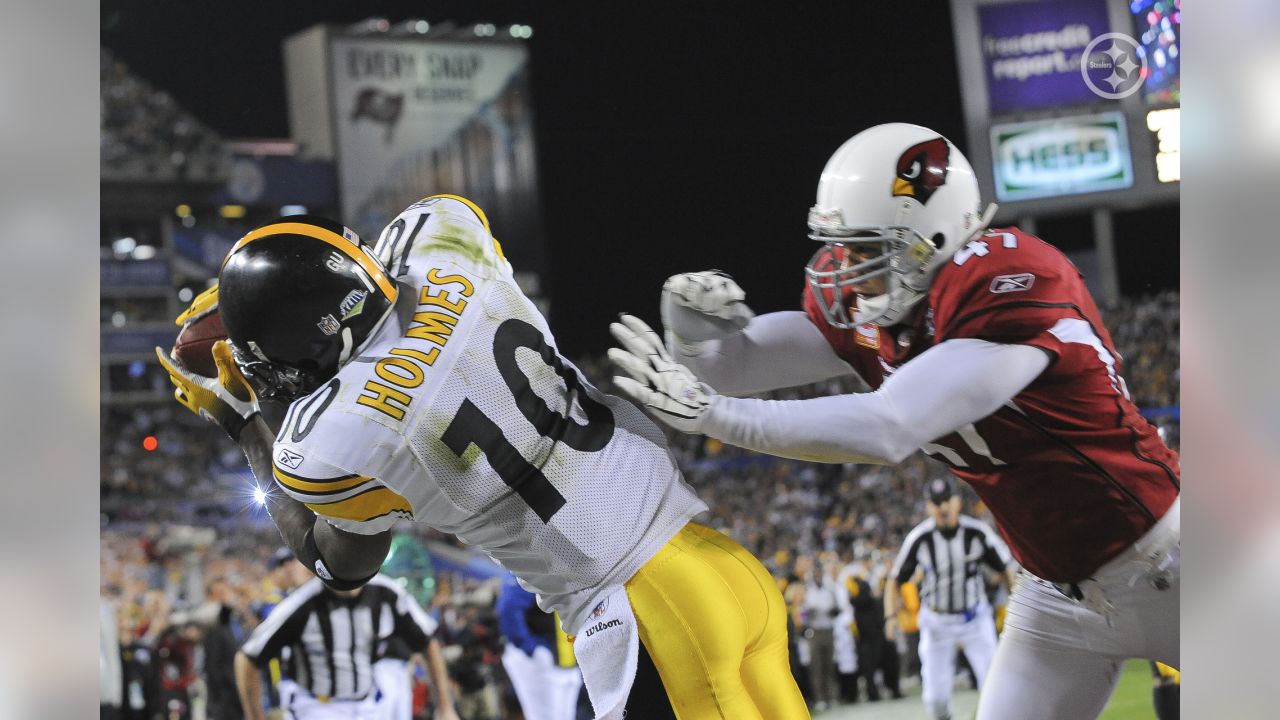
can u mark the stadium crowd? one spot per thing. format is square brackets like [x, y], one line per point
[142, 122]
[187, 555]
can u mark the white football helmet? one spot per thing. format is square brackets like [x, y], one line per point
[895, 201]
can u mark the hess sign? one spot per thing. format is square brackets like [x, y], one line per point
[1060, 156]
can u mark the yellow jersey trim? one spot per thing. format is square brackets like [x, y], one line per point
[366, 506]
[308, 485]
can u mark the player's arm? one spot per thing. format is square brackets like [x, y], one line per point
[904, 566]
[415, 626]
[891, 608]
[281, 627]
[439, 672]
[997, 555]
[776, 350]
[948, 386]
[349, 558]
[230, 402]
[249, 687]
[710, 330]
[995, 552]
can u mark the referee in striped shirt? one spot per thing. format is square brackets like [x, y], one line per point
[335, 638]
[949, 549]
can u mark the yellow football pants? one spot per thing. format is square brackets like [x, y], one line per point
[715, 625]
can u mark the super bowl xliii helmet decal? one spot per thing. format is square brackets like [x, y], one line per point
[299, 296]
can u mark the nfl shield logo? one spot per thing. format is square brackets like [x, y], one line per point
[600, 609]
[328, 325]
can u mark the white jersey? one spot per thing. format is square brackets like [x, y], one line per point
[459, 413]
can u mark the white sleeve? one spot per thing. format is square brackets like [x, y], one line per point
[776, 350]
[948, 386]
[348, 501]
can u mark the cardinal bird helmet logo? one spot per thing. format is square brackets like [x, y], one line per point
[922, 169]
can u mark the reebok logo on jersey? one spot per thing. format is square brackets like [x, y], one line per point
[602, 626]
[1012, 283]
[289, 459]
[323, 571]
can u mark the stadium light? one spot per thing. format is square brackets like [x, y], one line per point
[370, 26]
[484, 29]
[411, 26]
[522, 32]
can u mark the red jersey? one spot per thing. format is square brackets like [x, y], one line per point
[1069, 468]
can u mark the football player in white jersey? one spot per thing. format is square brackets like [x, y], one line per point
[423, 385]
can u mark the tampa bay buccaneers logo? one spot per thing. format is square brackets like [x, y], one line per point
[379, 107]
[922, 169]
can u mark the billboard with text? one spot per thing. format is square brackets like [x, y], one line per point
[416, 117]
[1031, 52]
[1061, 156]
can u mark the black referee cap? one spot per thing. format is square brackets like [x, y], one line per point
[939, 490]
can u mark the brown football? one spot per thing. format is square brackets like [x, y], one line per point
[194, 346]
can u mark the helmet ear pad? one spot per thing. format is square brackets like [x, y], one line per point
[294, 300]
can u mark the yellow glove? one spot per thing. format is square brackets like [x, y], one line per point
[227, 401]
[203, 304]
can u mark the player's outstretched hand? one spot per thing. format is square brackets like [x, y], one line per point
[707, 305]
[653, 379]
[227, 401]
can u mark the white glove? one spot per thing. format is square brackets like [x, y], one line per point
[667, 388]
[707, 305]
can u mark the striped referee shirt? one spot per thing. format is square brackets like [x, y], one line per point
[333, 641]
[949, 558]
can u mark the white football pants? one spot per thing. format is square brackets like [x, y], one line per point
[1060, 658]
[939, 636]
[546, 691]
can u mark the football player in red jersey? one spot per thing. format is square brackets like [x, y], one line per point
[985, 350]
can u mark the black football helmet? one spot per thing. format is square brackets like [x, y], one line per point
[298, 296]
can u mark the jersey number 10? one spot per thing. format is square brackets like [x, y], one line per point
[470, 426]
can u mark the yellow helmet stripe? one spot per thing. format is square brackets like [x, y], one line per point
[345, 246]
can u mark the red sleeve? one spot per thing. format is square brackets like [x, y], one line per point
[1008, 287]
[862, 355]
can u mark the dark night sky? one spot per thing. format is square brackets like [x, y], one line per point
[667, 141]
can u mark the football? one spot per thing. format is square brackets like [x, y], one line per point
[194, 345]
